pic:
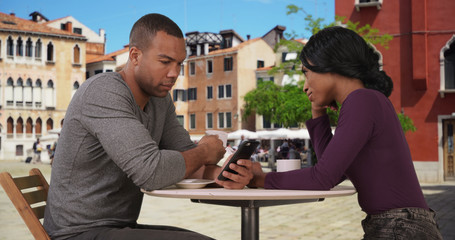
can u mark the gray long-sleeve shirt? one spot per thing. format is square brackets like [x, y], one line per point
[108, 150]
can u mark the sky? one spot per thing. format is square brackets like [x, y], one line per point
[246, 17]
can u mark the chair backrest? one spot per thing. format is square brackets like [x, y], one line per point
[25, 192]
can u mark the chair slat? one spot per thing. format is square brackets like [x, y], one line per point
[39, 211]
[27, 182]
[35, 196]
[21, 201]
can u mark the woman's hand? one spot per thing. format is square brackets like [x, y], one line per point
[240, 180]
[319, 111]
[258, 176]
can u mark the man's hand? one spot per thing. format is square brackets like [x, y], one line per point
[240, 180]
[216, 149]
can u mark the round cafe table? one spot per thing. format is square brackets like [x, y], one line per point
[250, 200]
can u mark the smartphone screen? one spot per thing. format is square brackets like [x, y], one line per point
[244, 151]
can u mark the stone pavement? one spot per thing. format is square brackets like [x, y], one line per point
[333, 218]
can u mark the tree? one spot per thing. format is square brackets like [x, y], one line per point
[287, 105]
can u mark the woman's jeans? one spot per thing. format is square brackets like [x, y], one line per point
[402, 223]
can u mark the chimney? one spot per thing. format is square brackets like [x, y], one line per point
[12, 14]
[248, 37]
[69, 27]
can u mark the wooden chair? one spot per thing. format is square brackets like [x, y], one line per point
[25, 192]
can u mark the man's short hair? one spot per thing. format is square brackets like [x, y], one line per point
[147, 26]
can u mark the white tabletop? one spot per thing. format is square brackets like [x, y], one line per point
[250, 193]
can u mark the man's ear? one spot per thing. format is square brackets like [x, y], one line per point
[135, 53]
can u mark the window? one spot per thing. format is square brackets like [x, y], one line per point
[28, 93]
[225, 120]
[50, 52]
[10, 46]
[368, 3]
[209, 66]
[182, 70]
[260, 64]
[192, 68]
[9, 126]
[38, 49]
[87, 75]
[192, 94]
[49, 124]
[76, 54]
[38, 126]
[209, 120]
[225, 91]
[449, 67]
[9, 92]
[37, 92]
[228, 64]
[19, 47]
[209, 92]
[77, 30]
[29, 126]
[227, 42]
[19, 126]
[62, 26]
[28, 48]
[20, 150]
[220, 91]
[228, 91]
[180, 119]
[221, 120]
[192, 121]
[228, 120]
[180, 95]
[19, 93]
[98, 71]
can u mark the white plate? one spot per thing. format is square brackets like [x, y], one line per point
[194, 183]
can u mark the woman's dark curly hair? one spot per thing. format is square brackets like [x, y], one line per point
[342, 51]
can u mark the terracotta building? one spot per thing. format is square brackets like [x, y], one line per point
[421, 62]
[40, 68]
[219, 70]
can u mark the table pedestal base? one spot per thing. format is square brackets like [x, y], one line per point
[250, 212]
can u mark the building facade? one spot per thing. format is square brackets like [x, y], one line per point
[421, 62]
[40, 68]
[219, 70]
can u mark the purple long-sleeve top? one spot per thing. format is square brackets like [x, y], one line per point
[369, 148]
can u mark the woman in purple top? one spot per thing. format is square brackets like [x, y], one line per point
[369, 147]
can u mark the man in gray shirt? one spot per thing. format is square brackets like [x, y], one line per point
[120, 135]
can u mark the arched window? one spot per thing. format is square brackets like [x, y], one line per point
[77, 54]
[50, 83]
[18, 93]
[37, 94]
[9, 92]
[49, 94]
[38, 49]
[9, 127]
[38, 126]
[28, 93]
[75, 87]
[20, 126]
[28, 48]
[447, 67]
[19, 47]
[29, 127]
[50, 52]
[10, 46]
[49, 124]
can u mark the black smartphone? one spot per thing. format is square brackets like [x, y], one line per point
[246, 149]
